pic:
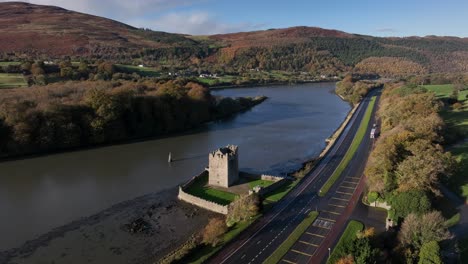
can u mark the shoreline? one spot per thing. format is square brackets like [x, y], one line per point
[234, 86]
[40, 246]
[122, 142]
[105, 235]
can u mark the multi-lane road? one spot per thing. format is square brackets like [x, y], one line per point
[261, 239]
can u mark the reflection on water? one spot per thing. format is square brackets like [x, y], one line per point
[39, 194]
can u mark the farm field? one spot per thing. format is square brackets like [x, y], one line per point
[456, 119]
[12, 80]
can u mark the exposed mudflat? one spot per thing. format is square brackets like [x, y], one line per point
[136, 231]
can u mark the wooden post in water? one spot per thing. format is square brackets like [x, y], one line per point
[169, 159]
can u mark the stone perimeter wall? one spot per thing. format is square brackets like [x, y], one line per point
[224, 209]
[209, 205]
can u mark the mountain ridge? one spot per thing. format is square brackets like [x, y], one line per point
[37, 31]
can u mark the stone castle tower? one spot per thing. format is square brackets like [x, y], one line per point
[223, 168]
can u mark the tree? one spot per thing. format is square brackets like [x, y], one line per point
[243, 208]
[214, 231]
[405, 203]
[346, 260]
[419, 230]
[423, 169]
[430, 253]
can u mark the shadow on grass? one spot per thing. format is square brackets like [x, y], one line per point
[201, 189]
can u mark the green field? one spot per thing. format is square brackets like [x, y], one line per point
[261, 183]
[12, 80]
[352, 149]
[200, 189]
[456, 120]
[7, 63]
[292, 238]
[142, 71]
[348, 236]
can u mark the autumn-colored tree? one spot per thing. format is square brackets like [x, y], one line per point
[214, 231]
[346, 260]
[419, 230]
[243, 208]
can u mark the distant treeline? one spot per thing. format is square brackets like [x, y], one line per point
[353, 89]
[76, 114]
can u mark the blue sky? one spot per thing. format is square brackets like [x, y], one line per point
[378, 18]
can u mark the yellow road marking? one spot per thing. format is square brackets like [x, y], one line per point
[344, 193]
[300, 252]
[336, 205]
[307, 243]
[288, 261]
[317, 235]
[331, 212]
[352, 188]
[340, 199]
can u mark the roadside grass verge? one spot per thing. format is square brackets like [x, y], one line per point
[349, 235]
[200, 189]
[293, 237]
[352, 149]
[12, 80]
[279, 193]
[204, 252]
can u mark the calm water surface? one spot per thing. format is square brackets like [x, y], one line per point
[39, 194]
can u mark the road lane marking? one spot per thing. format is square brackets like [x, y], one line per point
[288, 261]
[341, 206]
[331, 212]
[326, 219]
[352, 188]
[357, 178]
[317, 171]
[351, 182]
[340, 199]
[312, 234]
[300, 252]
[307, 243]
[344, 193]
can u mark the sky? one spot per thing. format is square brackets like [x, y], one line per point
[201, 17]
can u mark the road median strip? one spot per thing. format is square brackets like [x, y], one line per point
[352, 149]
[291, 240]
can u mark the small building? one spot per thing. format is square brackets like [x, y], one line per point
[141, 65]
[223, 168]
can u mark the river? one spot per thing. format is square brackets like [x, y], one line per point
[275, 137]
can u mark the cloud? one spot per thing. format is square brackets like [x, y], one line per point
[118, 9]
[161, 15]
[387, 30]
[195, 23]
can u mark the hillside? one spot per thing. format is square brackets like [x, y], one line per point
[33, 31]
[37, 29]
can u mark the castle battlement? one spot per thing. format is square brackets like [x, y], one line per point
[223, 166]
[230, 151]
